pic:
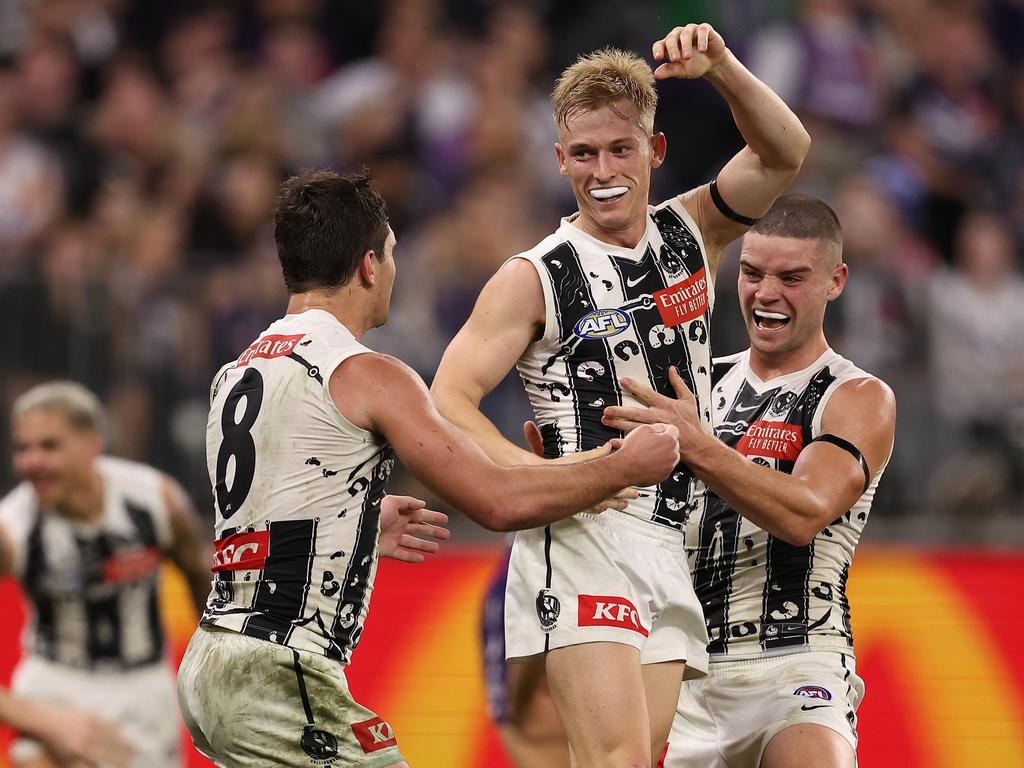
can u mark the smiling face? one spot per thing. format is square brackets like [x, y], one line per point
[784, 285]
[608, 158]
[52, 454]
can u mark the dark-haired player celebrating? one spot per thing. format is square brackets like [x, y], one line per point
[804, 436]
[299, 447]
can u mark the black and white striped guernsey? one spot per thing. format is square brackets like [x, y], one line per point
[93, 585]
[297, 492]
[762, 596]
[614, 312]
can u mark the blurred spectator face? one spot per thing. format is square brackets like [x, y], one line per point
[607, 149]
[871, 227]
[248, 188]
[52, 455]
[295, 55]
[784, 286]
[50, 76]
[985, 250]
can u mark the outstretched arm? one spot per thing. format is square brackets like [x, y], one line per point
[826, 480]
[383, 395]
[776, 141]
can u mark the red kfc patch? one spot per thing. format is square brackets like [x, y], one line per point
[775, 439]
[241, 552]
[609, 611]
[269, 347]
[683, 301]
[374, 734]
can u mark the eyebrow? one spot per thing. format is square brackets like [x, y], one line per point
[796, 271]
[581, 144]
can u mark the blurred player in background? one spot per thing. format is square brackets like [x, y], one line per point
[804, 436]
[69, 737]
[621, 289]
[84, 534]
[299, 448]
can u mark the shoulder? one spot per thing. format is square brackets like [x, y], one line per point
[867, 399]
[125, 471]
[17, 505]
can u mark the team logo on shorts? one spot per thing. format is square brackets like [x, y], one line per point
[813, 692]
[548, 609]
[321, 746]
[602, 323]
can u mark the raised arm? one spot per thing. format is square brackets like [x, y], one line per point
[383, 395]
[508, 316]
[189, 549]
[826, 479]
[776, 141]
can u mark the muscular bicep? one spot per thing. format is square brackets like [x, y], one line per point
[508, 316]
[385, 396]
[747, 187]
[862, 413]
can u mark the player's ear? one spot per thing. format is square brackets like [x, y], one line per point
[367, 270]
[561, 157]
[838, 281]
[659, 148]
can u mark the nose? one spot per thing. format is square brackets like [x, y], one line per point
[767, 290]
[604, 167]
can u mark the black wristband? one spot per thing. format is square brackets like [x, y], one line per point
[851, 449]
[726, 211]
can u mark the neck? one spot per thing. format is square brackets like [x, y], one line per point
[623, 238]
[768, 365]
[85, 502]
[344, 305]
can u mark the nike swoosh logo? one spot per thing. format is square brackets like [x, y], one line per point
[741, 409]
[635, 283]
[805, 708]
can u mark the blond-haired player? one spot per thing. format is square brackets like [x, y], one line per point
[620, 289]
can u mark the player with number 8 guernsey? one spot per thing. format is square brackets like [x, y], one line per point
[300, 441]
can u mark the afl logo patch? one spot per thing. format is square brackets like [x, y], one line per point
[813, 692]
[602, 323]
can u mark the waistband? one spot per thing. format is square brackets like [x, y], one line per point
[763, 663]
[655, 533]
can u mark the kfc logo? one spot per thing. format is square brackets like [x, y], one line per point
[241, 552]
[374, 734]
[269, 347]
[609, 611]
[683, 301]
[774, 439]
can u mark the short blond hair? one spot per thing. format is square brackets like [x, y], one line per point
[600, 79]
[77, 404]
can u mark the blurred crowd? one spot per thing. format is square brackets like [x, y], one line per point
[141, 145]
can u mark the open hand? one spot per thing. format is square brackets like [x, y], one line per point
[689, 52]
[681, 411]
[408, 530]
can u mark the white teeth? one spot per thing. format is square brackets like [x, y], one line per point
[610, 192]
[769, 315]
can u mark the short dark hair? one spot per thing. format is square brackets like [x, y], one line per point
[323, 224]
[802, 217]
